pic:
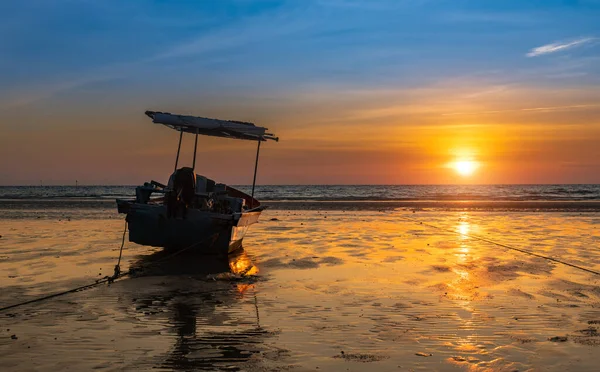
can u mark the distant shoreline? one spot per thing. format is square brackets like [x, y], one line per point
[566, 205]
[355, 205]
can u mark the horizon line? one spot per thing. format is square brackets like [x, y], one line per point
[334, 184]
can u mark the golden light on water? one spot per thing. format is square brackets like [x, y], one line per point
[463, 229]
[241, 264]
[243, 267]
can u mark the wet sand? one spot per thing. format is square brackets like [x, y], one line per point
[59, 207]
[325, 289]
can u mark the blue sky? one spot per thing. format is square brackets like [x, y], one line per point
[65, 61]
[62, 45]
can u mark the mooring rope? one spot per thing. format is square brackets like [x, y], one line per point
[87, 286]
[118, 265]
[480, 238]
[108, 279]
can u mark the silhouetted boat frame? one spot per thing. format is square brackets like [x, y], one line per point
[194, 210]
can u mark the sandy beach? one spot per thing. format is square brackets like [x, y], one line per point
[329, 289]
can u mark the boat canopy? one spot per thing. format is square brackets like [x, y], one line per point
[212, 127]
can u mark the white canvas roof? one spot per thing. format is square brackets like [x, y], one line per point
[212, 127]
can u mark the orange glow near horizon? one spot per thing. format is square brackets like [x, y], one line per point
[357, 137]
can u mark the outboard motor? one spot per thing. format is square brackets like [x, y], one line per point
[183, 188]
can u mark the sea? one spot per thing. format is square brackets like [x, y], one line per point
[581, 192]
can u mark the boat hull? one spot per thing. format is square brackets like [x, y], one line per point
[202, 231]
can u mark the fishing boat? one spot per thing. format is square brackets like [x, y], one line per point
[192, 210]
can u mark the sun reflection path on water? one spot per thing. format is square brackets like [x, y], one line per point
[464, 286]
[463, 229]
[464, 291]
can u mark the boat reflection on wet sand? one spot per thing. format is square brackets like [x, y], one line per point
[199, 295]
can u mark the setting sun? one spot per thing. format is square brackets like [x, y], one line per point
[465, 167]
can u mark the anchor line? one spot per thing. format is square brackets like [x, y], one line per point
[256, 308]
[118, 265]
[480, 238]
[109, 279]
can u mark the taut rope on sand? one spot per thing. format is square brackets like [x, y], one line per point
[502, 245]
[118, 265]
[108, 279]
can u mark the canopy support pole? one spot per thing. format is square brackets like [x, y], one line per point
[255, 168]
[178, 149]
[195, 147]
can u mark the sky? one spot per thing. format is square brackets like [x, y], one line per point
[359, 91]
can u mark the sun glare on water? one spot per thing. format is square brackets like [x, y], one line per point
[465, 167]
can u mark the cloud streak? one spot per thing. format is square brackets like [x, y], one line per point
[557, 47]
[534, 109]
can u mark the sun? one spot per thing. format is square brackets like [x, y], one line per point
[465, 167]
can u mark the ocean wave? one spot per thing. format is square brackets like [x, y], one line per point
[439, 199]
[336, 192]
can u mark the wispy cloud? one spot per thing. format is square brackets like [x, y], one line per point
[254, 29]
[294, 24]
[558, 46]
[534, 109]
